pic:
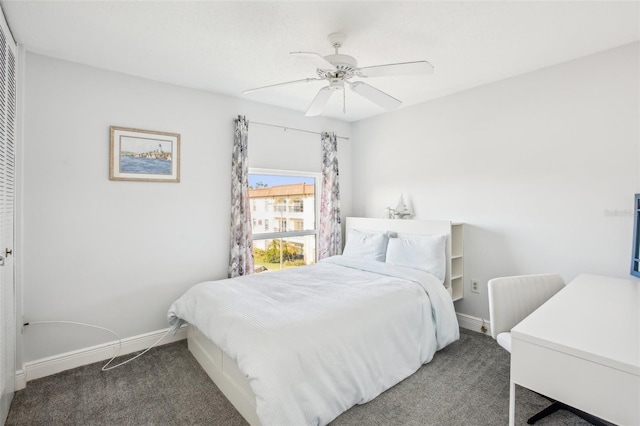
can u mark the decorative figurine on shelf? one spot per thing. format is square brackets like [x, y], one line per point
[400, 212]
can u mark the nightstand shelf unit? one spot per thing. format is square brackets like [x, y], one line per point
[456, 268]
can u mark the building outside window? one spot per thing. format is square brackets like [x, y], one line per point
[287, 201]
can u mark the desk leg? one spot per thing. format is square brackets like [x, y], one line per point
[512, 403]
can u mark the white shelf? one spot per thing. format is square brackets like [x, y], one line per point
[456, 267]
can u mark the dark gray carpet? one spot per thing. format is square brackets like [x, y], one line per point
[466, 384]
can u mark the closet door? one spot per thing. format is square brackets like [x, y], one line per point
[7, 188]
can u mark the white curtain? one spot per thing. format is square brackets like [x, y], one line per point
[241, 254]
[330, 232]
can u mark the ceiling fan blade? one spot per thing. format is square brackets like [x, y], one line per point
[319, 102]
[318, 60]
[375, 95]
[404, 68]
[304, 80]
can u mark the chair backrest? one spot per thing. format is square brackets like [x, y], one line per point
[512, 299]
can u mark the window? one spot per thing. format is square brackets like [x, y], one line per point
[280, 205]
[297, 206]
[287, 201]
[282, 225]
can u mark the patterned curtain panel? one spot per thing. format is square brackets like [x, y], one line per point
[241, 255]
[330, 236]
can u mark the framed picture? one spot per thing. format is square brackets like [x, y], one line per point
[144, 155]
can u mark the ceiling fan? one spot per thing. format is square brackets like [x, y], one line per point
[338, 69]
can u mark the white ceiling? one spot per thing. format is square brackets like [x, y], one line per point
[229, 46]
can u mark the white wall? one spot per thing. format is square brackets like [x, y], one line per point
[542, 167]
[115, 253]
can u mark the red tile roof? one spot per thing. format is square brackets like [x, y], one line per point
[282, 190]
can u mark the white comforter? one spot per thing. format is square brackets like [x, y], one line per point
[316, 340]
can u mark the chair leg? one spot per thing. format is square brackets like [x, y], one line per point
[544, 413]
[561, 406]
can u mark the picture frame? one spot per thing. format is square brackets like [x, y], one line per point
[144, 155]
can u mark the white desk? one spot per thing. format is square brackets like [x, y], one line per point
[582, 347]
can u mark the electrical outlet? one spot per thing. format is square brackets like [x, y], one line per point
[475, 286]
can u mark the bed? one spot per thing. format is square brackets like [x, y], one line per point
[303, 345]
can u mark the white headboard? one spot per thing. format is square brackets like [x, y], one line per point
[453, 280]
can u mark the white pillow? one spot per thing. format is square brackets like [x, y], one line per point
[365, 245]
[424, 252]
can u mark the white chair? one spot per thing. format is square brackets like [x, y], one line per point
[512, 299]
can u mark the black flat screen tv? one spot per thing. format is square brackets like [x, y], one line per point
[635, 252]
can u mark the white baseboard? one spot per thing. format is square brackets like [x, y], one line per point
[21, 380]
[55, 364]
[473, 323]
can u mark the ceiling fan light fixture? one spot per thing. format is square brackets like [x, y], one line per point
[336, 84]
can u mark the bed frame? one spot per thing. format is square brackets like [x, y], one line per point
[225, 372]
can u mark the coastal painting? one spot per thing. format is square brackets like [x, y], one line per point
[144, 155]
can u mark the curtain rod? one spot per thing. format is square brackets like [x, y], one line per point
[292, 128]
